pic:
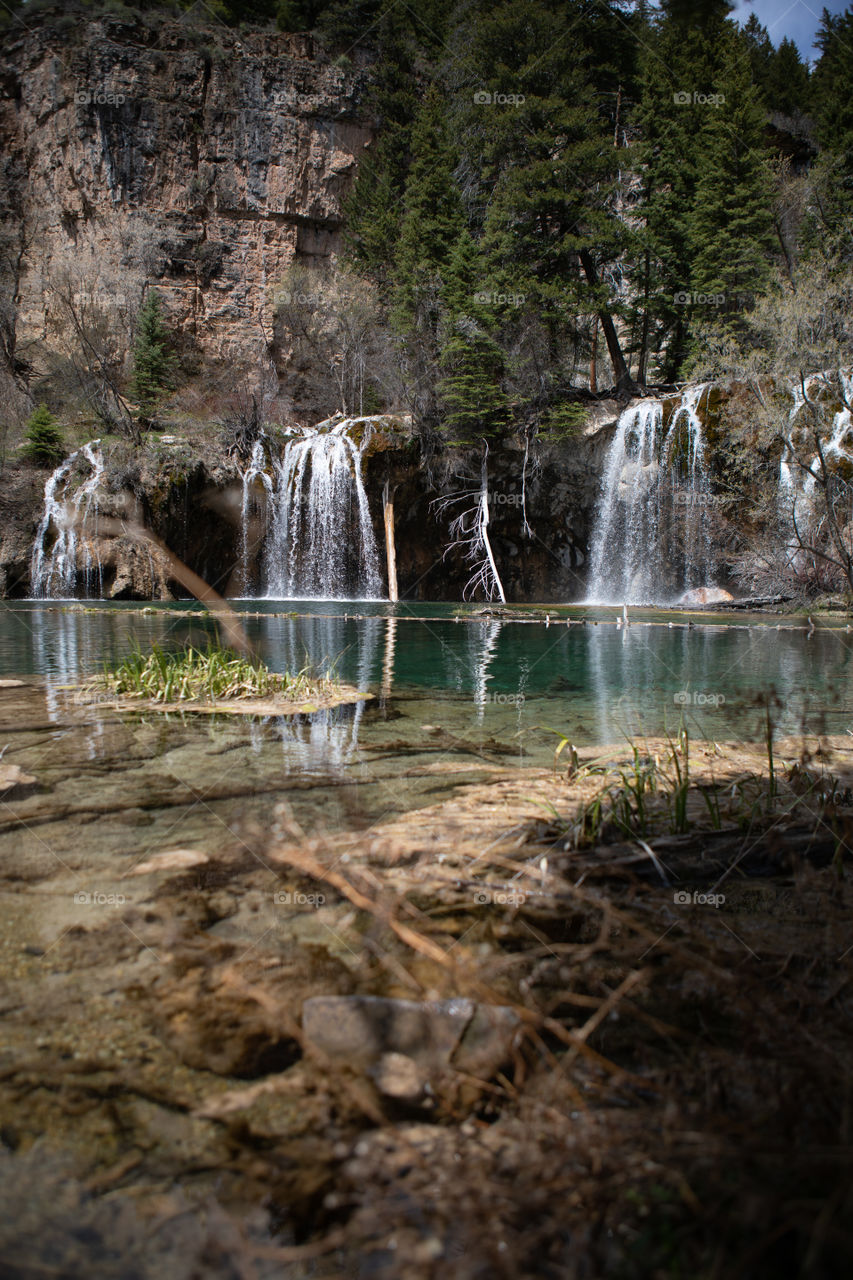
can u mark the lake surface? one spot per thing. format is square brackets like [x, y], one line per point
[516, 680]
[457, 700]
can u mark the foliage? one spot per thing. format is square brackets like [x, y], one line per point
[339, 353]
[522, 204]
[520, 210]
[795, 353]
[213, 674]
[43, 443]
[563, 422]
[153, 361]
[243, 424]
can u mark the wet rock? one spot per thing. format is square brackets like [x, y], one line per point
[170, 860]
[14, 782]
[434, 1035]
[706, 595]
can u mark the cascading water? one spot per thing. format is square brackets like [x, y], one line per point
[59, 552]
[652, 539]
[796, 485]
[320, 542]
[799, 467]
[254, 478]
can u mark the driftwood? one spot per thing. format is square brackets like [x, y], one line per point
[751, 602]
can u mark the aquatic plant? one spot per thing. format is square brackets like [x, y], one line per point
[213, 674]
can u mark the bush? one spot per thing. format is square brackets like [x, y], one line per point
[43, 443]
[153, 362]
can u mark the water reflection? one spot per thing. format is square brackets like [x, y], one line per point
[481, 677]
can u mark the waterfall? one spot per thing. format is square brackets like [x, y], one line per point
[796, 486]
[651, 542]
[254, 477]
[320, 542]
[58, 548]
[799, 466]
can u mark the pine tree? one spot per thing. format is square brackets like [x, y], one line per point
[679, 75]
[433, 218]
[472, 403]
[373, 210]
[828, 229]
[761, 53]
[43, 442]
[549, 164]
[153, 362]
[833, 102]
[787, 88]
[731, 227]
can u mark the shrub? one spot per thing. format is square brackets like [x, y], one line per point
[43, 443]
[153, 362]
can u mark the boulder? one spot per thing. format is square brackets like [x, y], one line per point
[706, 595]
[404, 1042]
[14, 782]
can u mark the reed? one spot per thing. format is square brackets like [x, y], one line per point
[214, 674]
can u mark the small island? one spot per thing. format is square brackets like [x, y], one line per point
[215, 680]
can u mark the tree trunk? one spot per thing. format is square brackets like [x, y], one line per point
[484, 525]
[390, 550]
[625, 385]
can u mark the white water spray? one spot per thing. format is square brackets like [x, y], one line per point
[652, 539]
[255, 478]
[320, 543]
[59, 551]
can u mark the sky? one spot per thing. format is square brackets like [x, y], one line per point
[796, 19]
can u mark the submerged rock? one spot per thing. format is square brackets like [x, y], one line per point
[14, 782]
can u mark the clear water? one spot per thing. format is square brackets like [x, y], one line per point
[514, 679]
[455, 702]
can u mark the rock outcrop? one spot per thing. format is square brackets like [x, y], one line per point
[189, 496]
[189, 156]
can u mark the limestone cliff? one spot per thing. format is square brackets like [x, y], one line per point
[189, 156]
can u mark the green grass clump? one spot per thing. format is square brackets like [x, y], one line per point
[193, 675]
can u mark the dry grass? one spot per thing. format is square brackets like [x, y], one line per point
[681, 1103]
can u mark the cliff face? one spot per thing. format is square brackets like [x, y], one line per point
[193, 157]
